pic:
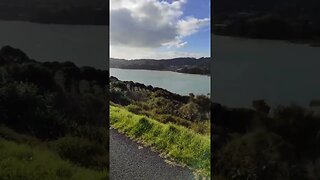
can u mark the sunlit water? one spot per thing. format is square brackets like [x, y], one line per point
[175, 82]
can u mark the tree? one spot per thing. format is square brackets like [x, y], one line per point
[261, 106]
[190, 111]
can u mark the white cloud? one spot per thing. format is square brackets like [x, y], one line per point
[177, 42]
[148, 53]
[145, 25]
[191, 25]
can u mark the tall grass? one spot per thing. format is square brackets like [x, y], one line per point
[179, 143]
[10, 135]
[21, 161]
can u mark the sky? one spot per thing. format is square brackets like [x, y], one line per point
[159, 29]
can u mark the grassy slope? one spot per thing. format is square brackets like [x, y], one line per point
[177, 142]
[23, 157]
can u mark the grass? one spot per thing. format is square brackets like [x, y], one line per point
[22, 161]
[142, 108]
[10, 135]
[180, 143]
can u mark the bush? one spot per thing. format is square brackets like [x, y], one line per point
[83, 152]
[118, 98]
[25, 110]
[201, 127]
[86, 109]
[190, 112]
[134, 109]
[258, 155]
[19, 161]
[99, 135]
[9, 134]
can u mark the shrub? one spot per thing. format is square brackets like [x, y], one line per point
[95, 134]
[190, 112]
[118, 98]
[82, 151]
[258, 155]
[19, 161]
[9, 134]
[134, 109]
[25, 110]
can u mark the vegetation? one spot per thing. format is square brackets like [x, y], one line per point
[21, 161]
[177, 142]
[56, 11]
[264, 143]
[178, 126]
[57, 106]
[181, 65]
[191, 111]
[294, 20]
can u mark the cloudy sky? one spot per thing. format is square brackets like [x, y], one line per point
[159, 28]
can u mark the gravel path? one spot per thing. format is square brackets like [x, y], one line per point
[130, 161]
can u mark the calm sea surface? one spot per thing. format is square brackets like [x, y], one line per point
[278, 71]
[175, 82]
[84, 45]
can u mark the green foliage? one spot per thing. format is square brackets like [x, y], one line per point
[134, 109]
[160, 104]
[118, 97]
[180, 143]
[258, 155]
[83, 152]
[255, 144]
[270, 19]
[59, 102]
[10, 135]
[18, 161]
[36, 74]
[300, 127]
[98, 135]
[56, 11]
[190, 111]
[261, 106]
[201, 127]
[24, 109]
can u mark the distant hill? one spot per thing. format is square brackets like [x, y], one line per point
[293, 20]
[182, 65]
[56, 11]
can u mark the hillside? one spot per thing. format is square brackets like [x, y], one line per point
[281, 142]
[189, 111]
[58, 106]
[182, 65]
[173, 124]
[22, 161]
[177, 142]
[56, 11]
[294, 20]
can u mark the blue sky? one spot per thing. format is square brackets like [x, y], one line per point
[197, 8]
[159, 29]
[198, 42]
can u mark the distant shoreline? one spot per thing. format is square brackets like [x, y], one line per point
[186, 65]
[160, 70]
[53, 23]
[309, 42]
